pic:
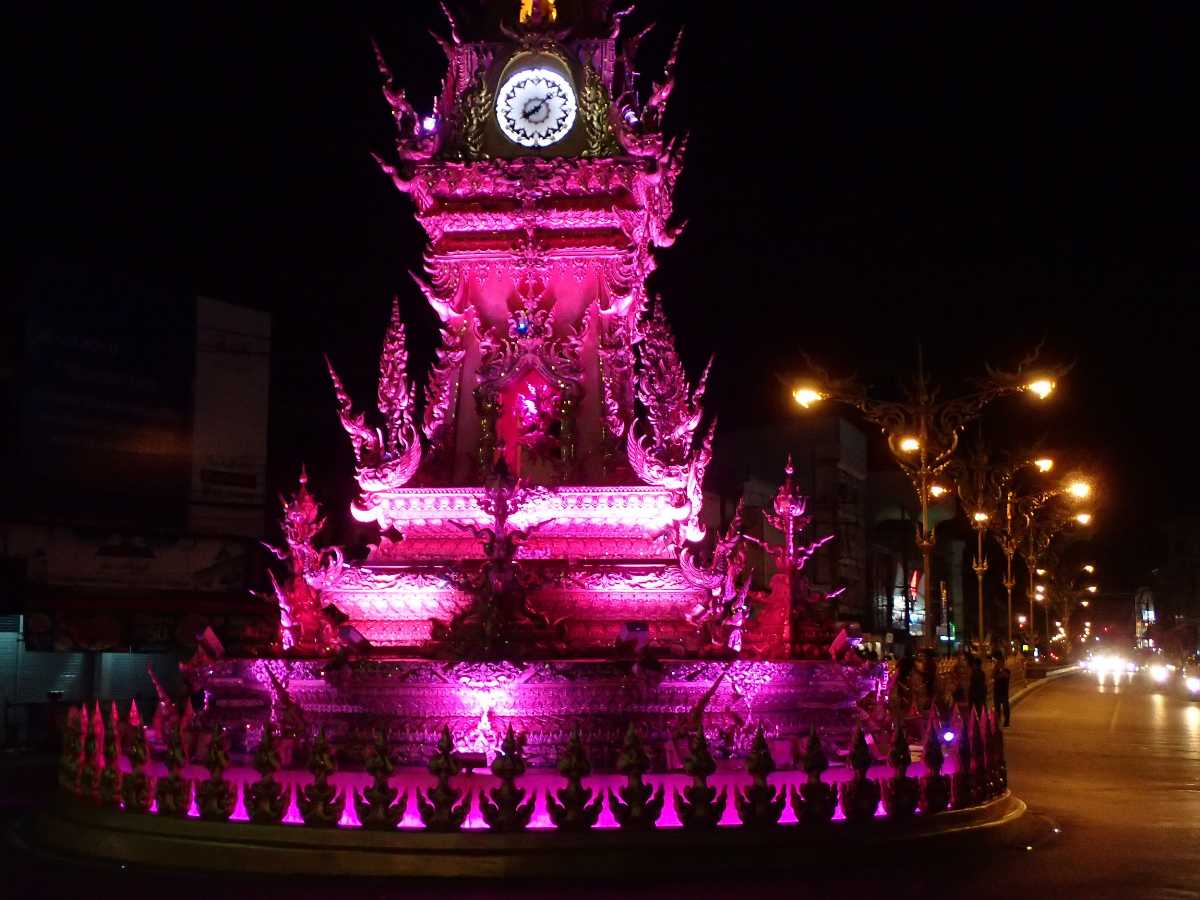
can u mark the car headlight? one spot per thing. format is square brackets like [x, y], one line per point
[1159, 674]
[1193, 684]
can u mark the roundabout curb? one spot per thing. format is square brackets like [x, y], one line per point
[85, 832]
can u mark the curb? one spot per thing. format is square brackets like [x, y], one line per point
[1031, 686]
[72, 832]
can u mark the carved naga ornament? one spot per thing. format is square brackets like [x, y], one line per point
[389, 457]
[667, 458]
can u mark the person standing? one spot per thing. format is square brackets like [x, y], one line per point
[977, 690]
[1000, 679]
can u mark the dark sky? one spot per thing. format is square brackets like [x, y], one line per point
[975, 178]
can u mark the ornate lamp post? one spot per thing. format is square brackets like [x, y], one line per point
[1039, 532]
[1008, 542]
[922, 430]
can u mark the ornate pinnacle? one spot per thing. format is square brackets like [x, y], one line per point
[377, 805]
[319, 802]
[439, 807]
[900, 793]
[174, 792]
[815, 801]
[860, 753]
[504, 808]
[933, 757]
[110, 777]
[574, 809]
[859, 796]
[135, 785]
[215, 796]
[395, 392]
[700, 806]
[639, 805]
[815, 761]
[760, 805]
[266, 799]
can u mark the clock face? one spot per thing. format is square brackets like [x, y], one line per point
[535, 107]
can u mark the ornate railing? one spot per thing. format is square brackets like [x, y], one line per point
[107, 763]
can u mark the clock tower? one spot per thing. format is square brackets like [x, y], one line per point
[543, 180]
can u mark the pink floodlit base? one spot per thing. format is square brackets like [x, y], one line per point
[545, 701]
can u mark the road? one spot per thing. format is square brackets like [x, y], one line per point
[1111, 776]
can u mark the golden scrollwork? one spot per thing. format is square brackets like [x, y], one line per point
[594, 105]
[474, 109]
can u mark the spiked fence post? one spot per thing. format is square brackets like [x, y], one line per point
[320, 803]
[93, 739]
[699, 806]
[109, 789]
[137, 787]
[935, 787]
[760, 805]
[174, 793]
[267, 800]
[377, 805]
[215, 796]
[72, 749]
[440, 806]
[961, 789]
[505, 808]
[639, 804]
[859, 795]
[576, 808]
[900, 792]
[816, 801]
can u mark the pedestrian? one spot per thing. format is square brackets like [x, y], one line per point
[977, 690]
[1000, 679]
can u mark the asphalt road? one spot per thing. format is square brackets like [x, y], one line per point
[1111, 776]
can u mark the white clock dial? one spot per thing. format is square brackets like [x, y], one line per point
[535, 107]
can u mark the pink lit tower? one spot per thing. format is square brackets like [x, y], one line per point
[541, 559]
[544, 184]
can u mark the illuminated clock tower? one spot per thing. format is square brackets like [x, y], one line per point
[543, 181]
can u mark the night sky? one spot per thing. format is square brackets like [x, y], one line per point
[857, 181]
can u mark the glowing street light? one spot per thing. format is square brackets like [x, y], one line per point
[1042, 387]
[1079, 489]
[807, 395]
[1045, 464]
[1089, 568]
[909, 444]
[1040, 571]
[981, 516]
[1021, 620]
[1084, 604]
[1083, 518]
[1091, 588]
[936, 490]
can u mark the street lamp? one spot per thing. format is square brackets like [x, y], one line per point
[1089, 568]
[922, 431]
